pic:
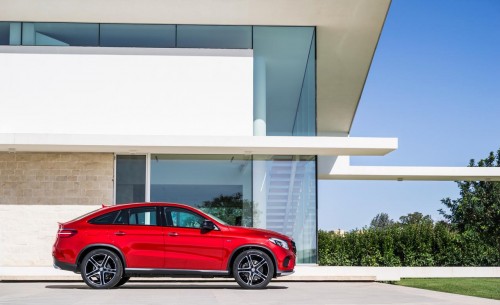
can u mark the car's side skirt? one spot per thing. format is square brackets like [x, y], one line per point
[148, 272]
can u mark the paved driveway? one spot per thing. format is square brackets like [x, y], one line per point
[215, 293]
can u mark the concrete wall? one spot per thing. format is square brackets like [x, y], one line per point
[126, 91]
[37, 190]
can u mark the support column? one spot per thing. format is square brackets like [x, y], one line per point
[259, 129]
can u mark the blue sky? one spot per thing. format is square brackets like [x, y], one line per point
[435, 84]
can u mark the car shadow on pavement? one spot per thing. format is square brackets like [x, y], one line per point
[162, 286]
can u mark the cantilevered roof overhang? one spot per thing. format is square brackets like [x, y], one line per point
[248, 145]
[347, 34]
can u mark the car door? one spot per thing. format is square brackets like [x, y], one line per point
[187, 246]
[138, 233]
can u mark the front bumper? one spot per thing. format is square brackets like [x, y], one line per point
[64, 266]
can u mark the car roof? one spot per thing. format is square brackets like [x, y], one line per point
[111, 208]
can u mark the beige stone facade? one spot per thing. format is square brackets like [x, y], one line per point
[56, 178]
[27, 232]
[38, 190]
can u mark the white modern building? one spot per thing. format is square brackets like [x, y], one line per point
[234, 106]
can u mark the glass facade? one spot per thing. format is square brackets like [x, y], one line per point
[214, 36]
[137, 35]
[285, 198]
[60, 34]
[305, 117]
[130, 178]
[284, 76]
[270, 192]
[10, 33]
[218, 184]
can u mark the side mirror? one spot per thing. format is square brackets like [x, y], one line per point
[208, 225]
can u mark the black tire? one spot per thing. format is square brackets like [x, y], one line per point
[122, 281]
[253, 269]
[101, 269]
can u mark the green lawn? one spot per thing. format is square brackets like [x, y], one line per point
[478, 287]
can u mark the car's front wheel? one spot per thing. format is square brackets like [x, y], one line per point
[101, 269]
[253, 269]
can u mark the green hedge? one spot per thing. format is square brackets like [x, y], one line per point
[406, 245]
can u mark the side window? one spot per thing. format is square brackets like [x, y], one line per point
[105, 219]
[177, 217]
[145, 216]
[122, 218]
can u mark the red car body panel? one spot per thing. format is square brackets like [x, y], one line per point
[167, 247]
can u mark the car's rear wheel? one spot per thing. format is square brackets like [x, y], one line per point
[253, 269]
[101, 269]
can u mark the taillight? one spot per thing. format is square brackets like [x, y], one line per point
[66, 232]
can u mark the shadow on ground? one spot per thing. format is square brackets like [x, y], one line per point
[163, 286]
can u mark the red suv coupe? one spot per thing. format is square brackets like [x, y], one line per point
[110, 245]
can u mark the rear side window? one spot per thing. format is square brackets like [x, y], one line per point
[144, 216]
[105, 219]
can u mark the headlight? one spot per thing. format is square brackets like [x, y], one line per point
[279, 242]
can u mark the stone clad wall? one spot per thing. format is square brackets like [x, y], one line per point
[38, 190]
[56, 178]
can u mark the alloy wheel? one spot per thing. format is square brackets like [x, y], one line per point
[253, 269]
[101, 268]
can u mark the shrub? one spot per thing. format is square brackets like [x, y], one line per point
[414, 244]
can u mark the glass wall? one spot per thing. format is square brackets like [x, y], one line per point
[10, 33]
[285, 199]
[126, 35]
[60, 34]
[137, 35]
[305, 117]
[130, 178]
[214, 36]
[284, 78]
[218, 184]
[271, 192]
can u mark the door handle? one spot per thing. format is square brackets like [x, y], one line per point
[173, 234]
[120, 233]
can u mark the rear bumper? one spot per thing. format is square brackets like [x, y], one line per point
[64, 266]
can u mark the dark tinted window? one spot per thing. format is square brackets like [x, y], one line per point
[105, 219]
[144, 216]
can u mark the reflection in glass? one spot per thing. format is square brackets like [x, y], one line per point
[220, 185]
[60, 34]
[282, 57]
[10, 33]
[137, 35]
[214, 36]
[130, 178]
[285, 198]
[305, 117]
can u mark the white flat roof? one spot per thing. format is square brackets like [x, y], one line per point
[328, 146]
[402, 173]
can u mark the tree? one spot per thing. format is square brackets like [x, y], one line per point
[228, 208]
[415, 218]
[381, 221]
[478, 208]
